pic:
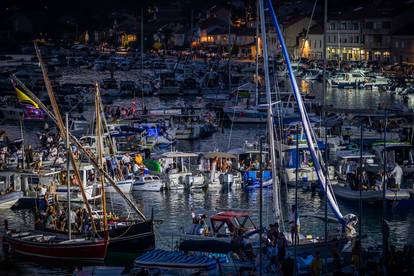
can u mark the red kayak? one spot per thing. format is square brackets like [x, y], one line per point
[44, 245]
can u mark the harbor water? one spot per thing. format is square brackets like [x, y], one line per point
[172, 209]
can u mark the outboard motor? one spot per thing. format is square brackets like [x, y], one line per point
[189, 180]
[248, 183]
[228, 179]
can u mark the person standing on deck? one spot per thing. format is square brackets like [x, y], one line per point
[20, 154]
[397, 172]
[294, 224]
[29, 156]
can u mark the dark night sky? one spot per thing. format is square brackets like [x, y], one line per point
[50, 15]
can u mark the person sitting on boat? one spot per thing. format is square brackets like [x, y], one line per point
[397, 173]
[72, 222]
[364, 181]
[50, 220]
[112, 217]
[61, 221]
[273, 233]
[294, 224]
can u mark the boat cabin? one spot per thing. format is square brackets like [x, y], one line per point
[179, 161]
[9, 181]
[344, 159]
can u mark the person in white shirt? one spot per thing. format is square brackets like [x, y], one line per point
[126, 158]
[294, 224]
[397, 173]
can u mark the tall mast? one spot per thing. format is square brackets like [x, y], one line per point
[99, 151]
[142, 55]
[59, 122]
[229, 42]
[257, 55]
[269, 114]
[310, 135]
[325, 27]
[68, 176]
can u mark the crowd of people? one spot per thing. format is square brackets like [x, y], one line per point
[59, 219]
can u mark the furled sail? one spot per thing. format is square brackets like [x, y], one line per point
[310, 135]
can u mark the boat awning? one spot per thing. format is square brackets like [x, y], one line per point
[347, 155]
[178, 155]
[219, 155]
[230, 214]
[208, 245]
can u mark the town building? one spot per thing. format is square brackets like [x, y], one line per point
[402, 41]
[312, 46]
[344, 38]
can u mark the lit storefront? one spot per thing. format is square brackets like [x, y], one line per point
[346, 53]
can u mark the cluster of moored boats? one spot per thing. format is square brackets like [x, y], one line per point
[82, 162]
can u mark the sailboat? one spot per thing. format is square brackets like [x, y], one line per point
[348, 221]
[48, 245]
[125, 234]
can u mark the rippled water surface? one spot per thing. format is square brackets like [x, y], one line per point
[172, 209]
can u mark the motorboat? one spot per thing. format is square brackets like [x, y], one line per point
[10, 188]
[124, 185]
[148, 182]
[306, 171]
[354, 157]
[221, 168]
[348, 80]
[180, 171]
[345, 192]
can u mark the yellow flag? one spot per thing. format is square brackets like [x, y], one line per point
[23, 98]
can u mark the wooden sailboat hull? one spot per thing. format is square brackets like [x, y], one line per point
[138, 237]
[85, 250]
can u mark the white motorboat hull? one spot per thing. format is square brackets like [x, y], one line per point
[149, 186]
[125, 186]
